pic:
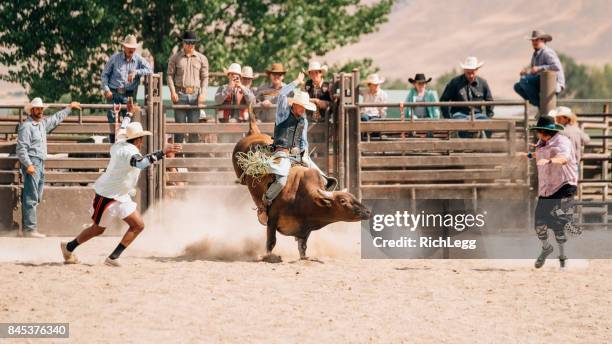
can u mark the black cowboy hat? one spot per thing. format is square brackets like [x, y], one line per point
[546, 122]
[189, 37]
[420, 77]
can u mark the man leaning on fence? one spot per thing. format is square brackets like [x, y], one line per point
[32, 153]
[543, 58]
[268, 94]
[188, 81]
[121, 76]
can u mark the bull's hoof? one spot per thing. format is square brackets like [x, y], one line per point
[271, 258]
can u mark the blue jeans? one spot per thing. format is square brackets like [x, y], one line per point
[117, 99]
[33, 186]
[367, 117]
[187, 116]
[529, 88]
[477, 116]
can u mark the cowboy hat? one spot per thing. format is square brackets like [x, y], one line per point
[276, 68]
[130, 42]
[234, 68]
[374, 79]
[563, 111]
[471, 62]
[546, 123]
[315, 65]
[134, 131]
[538, 34]
[419, 77]
[189, 37]
[303, 99]
[35, 103]
[247, 72]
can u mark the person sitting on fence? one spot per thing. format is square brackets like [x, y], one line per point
[467, 87]
[557, 181]
[290, 142]
[568, 119]
[420, 93]
[318, 90]
[121, 76]
[267, 94]
[543, 58]
[32, 152]
[234, 93]
[374, 94]
[188, 83]
[115, 188]
[246, 77]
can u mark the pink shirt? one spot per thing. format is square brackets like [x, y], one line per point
[551, 177]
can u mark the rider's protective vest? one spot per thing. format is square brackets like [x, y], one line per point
[288, 134]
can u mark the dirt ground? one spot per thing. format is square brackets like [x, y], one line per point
[199, 295]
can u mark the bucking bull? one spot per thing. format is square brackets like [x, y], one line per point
[303, 205]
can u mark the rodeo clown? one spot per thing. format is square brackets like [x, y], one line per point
[557, 181]
[115, 187]
[290, 142]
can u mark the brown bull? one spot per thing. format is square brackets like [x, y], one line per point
[302, 206]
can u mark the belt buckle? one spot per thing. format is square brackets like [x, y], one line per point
[189, 90]
[121, 90]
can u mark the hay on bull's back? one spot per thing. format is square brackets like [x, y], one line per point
[254, 162]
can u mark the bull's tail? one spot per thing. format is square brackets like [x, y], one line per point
[253, 128]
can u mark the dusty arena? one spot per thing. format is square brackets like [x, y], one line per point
[194, 277]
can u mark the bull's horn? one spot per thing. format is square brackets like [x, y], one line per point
[325, 194]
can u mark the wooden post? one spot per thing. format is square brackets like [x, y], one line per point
[548, 91]
[340, 132]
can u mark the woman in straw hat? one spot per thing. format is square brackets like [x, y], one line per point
[374, 94]
[421, 93]
[114, 188]
[557, 181]
[32, 153]
[290, 142]
[568, 119]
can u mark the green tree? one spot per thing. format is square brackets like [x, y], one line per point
[54, 47]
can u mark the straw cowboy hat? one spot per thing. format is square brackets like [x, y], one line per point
[563, 111]
[538, 34]
[419, 77]
[315, 65]
[35, 103]
[303, 99]
[130, 41]
[234, 68]
[134, 130]
[247, 72]
[276, 68]
[471, 62]
[546, 123]
[374, 79]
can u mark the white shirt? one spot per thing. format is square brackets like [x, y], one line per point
[379, 97]
[120, 178]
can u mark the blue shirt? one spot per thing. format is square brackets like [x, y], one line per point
[32, 136]
[117, 69]
[547, 59]
[283, 111]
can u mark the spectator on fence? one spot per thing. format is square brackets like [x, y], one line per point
[246, 77]
[420, 93]
[568, 119]
[267, 94]
[234, 93]
[543, 58]
[374, 94]
[121, 76]
[318, 89]
[188, 82]
[32, 153]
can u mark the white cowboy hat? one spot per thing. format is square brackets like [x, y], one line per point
[35, 103]
[303, 99]
[563, 111]
[234, 68]
[247, 72]
[315, 65]
[374, 79]
[133, 131]
[130, 41]
[471, 63]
